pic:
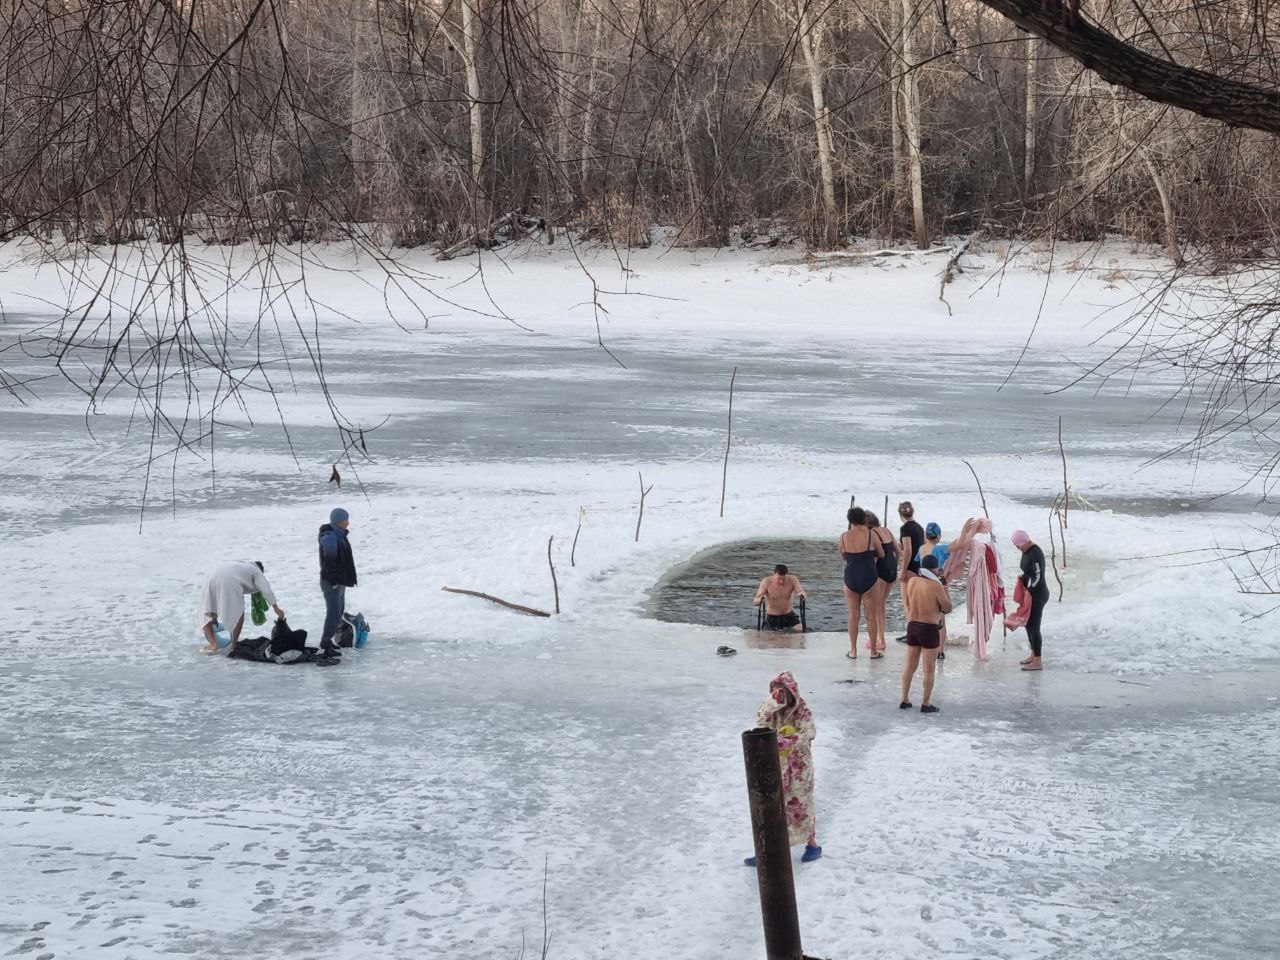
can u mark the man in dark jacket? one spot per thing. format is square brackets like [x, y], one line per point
[337, 572]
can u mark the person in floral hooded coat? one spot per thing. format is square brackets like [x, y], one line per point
[785, 711]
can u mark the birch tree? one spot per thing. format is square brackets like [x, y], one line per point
[910, 106]
[811, 33]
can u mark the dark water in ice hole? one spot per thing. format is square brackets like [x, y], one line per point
[715, 587]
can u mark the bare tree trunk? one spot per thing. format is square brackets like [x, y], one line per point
[569, 44]
[900, 188]
[360, 109]
[1030, 115]
[589, 115]
[811, 47]
[911, 122]
[474, 114]
[233, 66]
[1219, 97]
[1166, 199]
[695, 224]
[1166, 205]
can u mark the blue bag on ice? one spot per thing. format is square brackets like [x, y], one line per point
[353, 631]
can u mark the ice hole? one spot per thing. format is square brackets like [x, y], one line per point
[715, 587]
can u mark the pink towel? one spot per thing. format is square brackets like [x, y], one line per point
[960, 547]
[984, 594]
[981, 614]
[1019, 617]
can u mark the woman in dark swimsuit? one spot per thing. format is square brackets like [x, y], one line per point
[887, 568]
[860, 549]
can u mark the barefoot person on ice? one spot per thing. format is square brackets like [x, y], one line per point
[785, 711]
[1031, 580]
[927, 603]
[222, 602]
[934, 546]
[860, 549]
[876, 600]
[777, 592]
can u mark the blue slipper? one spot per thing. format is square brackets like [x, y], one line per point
[749, 861]
[810, 854]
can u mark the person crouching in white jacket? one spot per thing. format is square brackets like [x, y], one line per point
[222, 602]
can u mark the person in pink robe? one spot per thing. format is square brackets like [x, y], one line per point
[786, 712]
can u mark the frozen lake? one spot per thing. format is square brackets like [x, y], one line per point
[473, 771]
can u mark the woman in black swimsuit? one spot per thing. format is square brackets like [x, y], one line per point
[860, 549]
[887, 568]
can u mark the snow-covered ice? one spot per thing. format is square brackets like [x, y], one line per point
[473, 772]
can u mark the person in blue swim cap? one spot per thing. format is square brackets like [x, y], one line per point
[933, 545]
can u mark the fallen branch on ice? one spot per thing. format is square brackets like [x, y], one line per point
[502, 603]
[872, 254]
[953, 267]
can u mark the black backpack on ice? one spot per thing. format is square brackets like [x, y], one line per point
[284, 639]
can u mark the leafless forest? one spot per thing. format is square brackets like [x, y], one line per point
[443, 123]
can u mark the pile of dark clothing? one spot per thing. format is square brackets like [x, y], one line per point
[285, 646]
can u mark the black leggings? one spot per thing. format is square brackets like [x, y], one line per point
[1038, 603]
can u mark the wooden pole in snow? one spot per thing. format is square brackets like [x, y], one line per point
[773, 849]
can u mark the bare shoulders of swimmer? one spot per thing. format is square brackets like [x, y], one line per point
[927, 600]
[777, 591]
